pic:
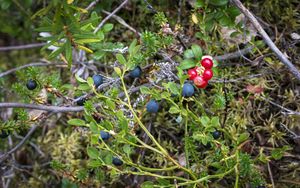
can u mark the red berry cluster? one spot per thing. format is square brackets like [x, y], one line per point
[202, 74]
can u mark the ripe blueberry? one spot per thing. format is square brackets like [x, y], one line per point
[81, 102]
[31, 84]
[104, 135]
[188, 90]
[216, 134]
[116, 161]
[98, 80]
[136, 72]
[152, 106]
[4, 134]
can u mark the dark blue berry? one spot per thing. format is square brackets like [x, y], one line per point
[116, 161]
[98, 80]
[81, 101]
[216, 134]
[4, 134]
[31, 84]
[104, 135]
[188, 90]
[136, 72]
[152, 106]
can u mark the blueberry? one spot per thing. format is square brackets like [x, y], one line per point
[216, 134]
[98, 80]
[81, 102]
[136, 72]
[104, 135]
[116, 161]
[188, 90]
[31, 84]
[4, 134]
[152, 106]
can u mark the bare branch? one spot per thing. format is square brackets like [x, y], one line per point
[22, 142]
[30, 65]
[109, 16]
[62, 109]
[91, 5]
[267, 39]
[22, 47]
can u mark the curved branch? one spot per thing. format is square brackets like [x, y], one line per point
[21, 47]
[30, 65]
[267, 39]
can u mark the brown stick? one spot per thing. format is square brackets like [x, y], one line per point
[267, 39]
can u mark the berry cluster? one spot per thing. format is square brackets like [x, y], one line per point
[202, 74]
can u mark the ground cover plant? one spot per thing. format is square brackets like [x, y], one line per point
[137, 93]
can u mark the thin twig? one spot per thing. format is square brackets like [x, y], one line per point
[22, 47]
[62, 109]
[267, 39]
[30, 65]
[109, 16]
[288, 111]
[22, 142]
[271, 175]
[91, 5]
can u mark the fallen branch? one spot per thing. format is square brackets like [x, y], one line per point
[267, 39]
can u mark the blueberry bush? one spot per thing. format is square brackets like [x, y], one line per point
[148, 94]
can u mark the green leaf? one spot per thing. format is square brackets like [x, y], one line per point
[127, 149]
[108, 27]
[173, 88]
[121, 59]
[76, 122]
[69, 52]
[132, 45]
[187, 63]
[84, 87]
[94, 163]
[243, 137]
[278, 153]
[197, 51]
[205, 120]
[218, 2]
[188, 54]
[145, 90]
[174, 110]
[93, 153]
[83, 41]
[118, 71]
[147, 184]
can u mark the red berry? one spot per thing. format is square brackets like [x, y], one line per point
[207, 63]
[207, 74]
[200, 82]
[192, 74]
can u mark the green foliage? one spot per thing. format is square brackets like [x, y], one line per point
[174, 147]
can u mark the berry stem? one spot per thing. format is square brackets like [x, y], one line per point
[163, 151]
